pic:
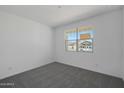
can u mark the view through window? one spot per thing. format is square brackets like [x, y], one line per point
[79, 39]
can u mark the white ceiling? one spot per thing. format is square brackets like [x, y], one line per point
[53, 15]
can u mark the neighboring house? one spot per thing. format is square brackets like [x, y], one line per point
[86, 46]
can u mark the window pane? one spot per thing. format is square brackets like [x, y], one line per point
[88, 32]
[71, 45]
[85, 40]
[71, 36]
[85, 45]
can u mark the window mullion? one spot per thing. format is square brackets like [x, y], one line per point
[77, 39]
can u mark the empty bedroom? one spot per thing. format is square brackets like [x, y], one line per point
[61, 46]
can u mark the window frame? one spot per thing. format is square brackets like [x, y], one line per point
[77, 39]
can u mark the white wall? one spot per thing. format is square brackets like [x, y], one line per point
[24, 44]
[107, 46]
[123, 45]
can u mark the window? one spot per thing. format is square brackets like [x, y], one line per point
[71, 40]
[79, 39]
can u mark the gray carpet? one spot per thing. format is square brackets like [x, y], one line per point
[57, 75]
